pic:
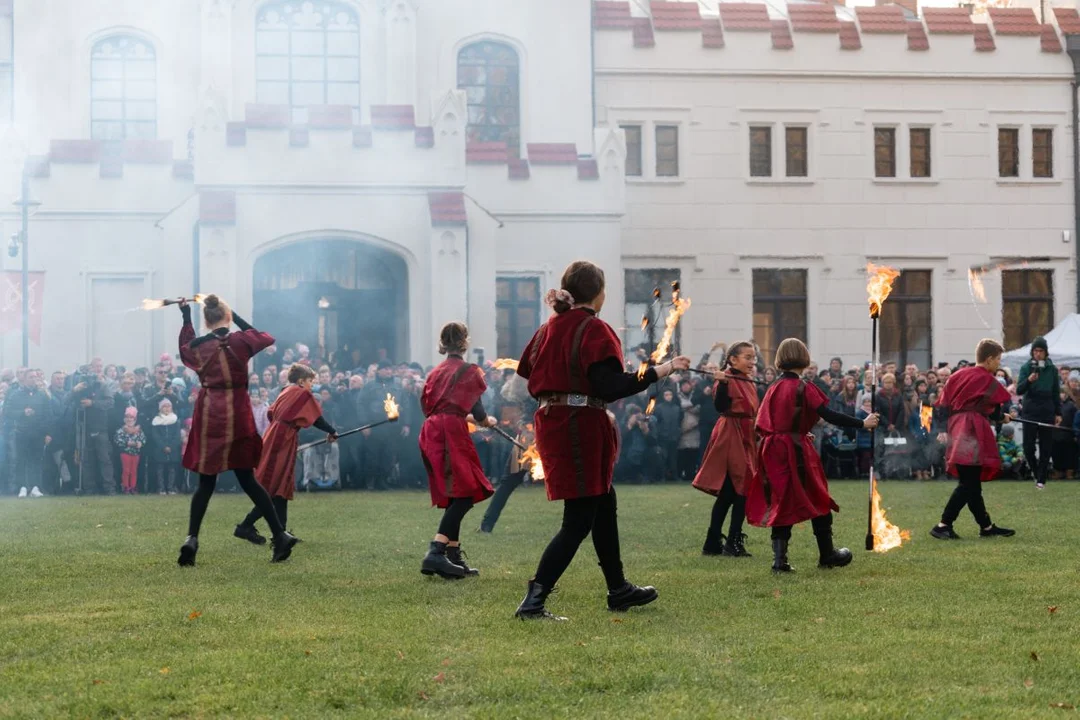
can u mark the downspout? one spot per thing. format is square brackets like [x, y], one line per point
[1072, 46]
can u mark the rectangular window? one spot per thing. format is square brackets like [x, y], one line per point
[796, 147]
[1042, 153]
[920, 153]
[779, 308]
[761, 151]
[1027, 305]
[885, 152]
[1008, 152]
[640, 287]
[906, 320]
[7, 64]
[517, 313]
[667, 151]
[633, 150]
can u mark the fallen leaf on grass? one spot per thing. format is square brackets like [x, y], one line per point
[99, 526]
[819, 620]
[776, 593]
[164, 671]
[1034, 656]
[1063, 706]
[99, 682]
[1052, 608]
[307, 652]
[194, 615]
[580, 643]
[1029, 683]
[423, 695]
[439, 678]
[686, 505]
[400, 655]
[616, 620]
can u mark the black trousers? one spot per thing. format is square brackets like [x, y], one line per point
[822, 526]
[98, 454]
[968, 492]
[450, 525]
[728, 499]
[28, 462]
[200, 499]
[598, 515]
[507, 485]
[281, 507]
[1045, 439]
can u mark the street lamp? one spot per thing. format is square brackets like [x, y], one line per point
[22, 239]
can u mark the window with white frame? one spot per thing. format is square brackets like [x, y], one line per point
[667, 151]
[903, 151]
[656, 142]
[7, 65]
[123, 89]
[633, 150]
[1026, 147]
[780, 150]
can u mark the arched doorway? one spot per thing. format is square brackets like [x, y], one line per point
[336, 296]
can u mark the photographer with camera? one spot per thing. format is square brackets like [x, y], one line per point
[1040, 391]
[93, 402]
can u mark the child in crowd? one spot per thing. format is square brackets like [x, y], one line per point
[130, 439]
[165, 444]
[864, 450]
[1012, 456]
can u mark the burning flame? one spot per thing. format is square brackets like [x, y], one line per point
[148, 304]
[531, 456]
[645, 321]
[678, 307]
[886, 535]
[926, 416]
[472, 427]
[879, 285]
[975, 284]
[642, 370]
[506, 364]
[651, 406]
[390, 407]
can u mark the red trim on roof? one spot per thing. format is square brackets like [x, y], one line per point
[742, 17]
[984, 41]
[361, 137]
[267, 117]
[330, 117]
[235, 134]
[392, 117]
[587, 169]
[36, 166]
[477, 153]
[948, 21]
[1050, 41]
[424, 137]
[643, 33]
[1068, 20]
[916, 36]
[151, 152]
[518, 169]
[670, 15]
[217, 207]
[849, 36]
[612, 15]
[183, 170]
[884, 19]
[1014, 21]
[781, 35]
[712, 35]
[552, 153]
[75, 151]
[447, 208]
[815, 17]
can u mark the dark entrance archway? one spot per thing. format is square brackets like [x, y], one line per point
[335, 295]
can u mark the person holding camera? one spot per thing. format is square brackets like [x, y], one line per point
[1040, 391]
[93, 402]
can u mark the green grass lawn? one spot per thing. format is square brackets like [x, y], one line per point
[96, 619]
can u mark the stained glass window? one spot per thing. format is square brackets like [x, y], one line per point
[123, 89]
[488, 73]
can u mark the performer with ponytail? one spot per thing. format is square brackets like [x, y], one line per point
[223, 434]
[296, 408]
[789, 485]
[451, 398]
[574, 365]
[729, 457]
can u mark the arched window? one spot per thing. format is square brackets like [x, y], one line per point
[488, 73]
[307, 53]
[123, 89]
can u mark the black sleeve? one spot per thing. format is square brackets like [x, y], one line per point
[610, 382]
[478, 412]
[241, 322]
[185, 310]
[838, 419]
[324, 426]
[998, 414]
[721, 398]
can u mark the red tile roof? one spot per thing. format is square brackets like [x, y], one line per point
[392, 117]
[447, 208]
[916, 36]
[361, 137]
[781, 35]
[675, 15]
[183, 170]
[1051, 43]
[984, 41]
[612, 15]
[884, 19]
[587, 169]
[75, 151]
[1014, 21]
[948, 21]
[813, 17]
[268, 117]
[235, 134]
[299, 137]
[849, 36]
[330, 117]
[150, 152]
[518, 170]
[1068, 20]
[744, 16]
[643, 33]
[424, 137]
[477, 153]
[552, 153]
[217, 207]
[36, 166]
[712, 35]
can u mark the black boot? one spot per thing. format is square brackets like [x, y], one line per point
[630, 595]
[188, 551]
[283, 547]
[455, 555]
[734, 546]
[436, 562]
[830, 556]
[532, 607]
[780, 561]
[249, 533]
[714, 545]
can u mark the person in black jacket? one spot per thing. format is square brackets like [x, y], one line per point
[27, 413]
[1039, 387]
[164, 436]
[93, 400]
[669, 416]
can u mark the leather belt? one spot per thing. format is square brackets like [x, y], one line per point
[571, 400]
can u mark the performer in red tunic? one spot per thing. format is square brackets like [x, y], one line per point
[451, 399]
[223, 435]
[574, 365]
[971, 396]
[789, 484]
[295, 408]
[729, 457]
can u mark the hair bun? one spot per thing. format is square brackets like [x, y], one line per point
[211, 301]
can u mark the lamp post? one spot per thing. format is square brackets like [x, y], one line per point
[20, 243]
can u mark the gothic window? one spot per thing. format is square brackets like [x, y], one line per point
[123, 89]
[488, 73]
[307, 53]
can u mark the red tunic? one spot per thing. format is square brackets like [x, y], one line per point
[453, 467]
[578, 445]
[970, 395]
[294, 409]
[223, 433]
[730, 453]
[789, 484]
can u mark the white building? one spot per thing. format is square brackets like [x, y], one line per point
[360, 171]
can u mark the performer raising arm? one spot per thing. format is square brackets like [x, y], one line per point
[574, 365]
[223, 435]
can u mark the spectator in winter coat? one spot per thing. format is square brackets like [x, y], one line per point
[668, 414]
[259, 409]
[165, 448]
[1040, 389]
[1011, 455]
[131, 440]
[28, 417]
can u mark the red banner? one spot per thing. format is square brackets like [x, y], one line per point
[11, 299]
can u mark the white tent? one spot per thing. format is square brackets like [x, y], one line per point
[1063, 341]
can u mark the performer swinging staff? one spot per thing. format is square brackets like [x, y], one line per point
[451, 398]
[223, 435]
[971, 398]
[574, 365]
[789, 484]
[729, 458]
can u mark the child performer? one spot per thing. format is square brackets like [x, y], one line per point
[295, 408]
[130, 439]
[789, 484]
[972, 396]
[574, 365]
[223, 435]
[729, 457]
[451, 398]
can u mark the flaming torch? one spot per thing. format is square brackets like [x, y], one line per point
[926, 416]
[679, 306]
[878, 286]
[531, 456]
[392, 415]
[506, 364]
[149, 304]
